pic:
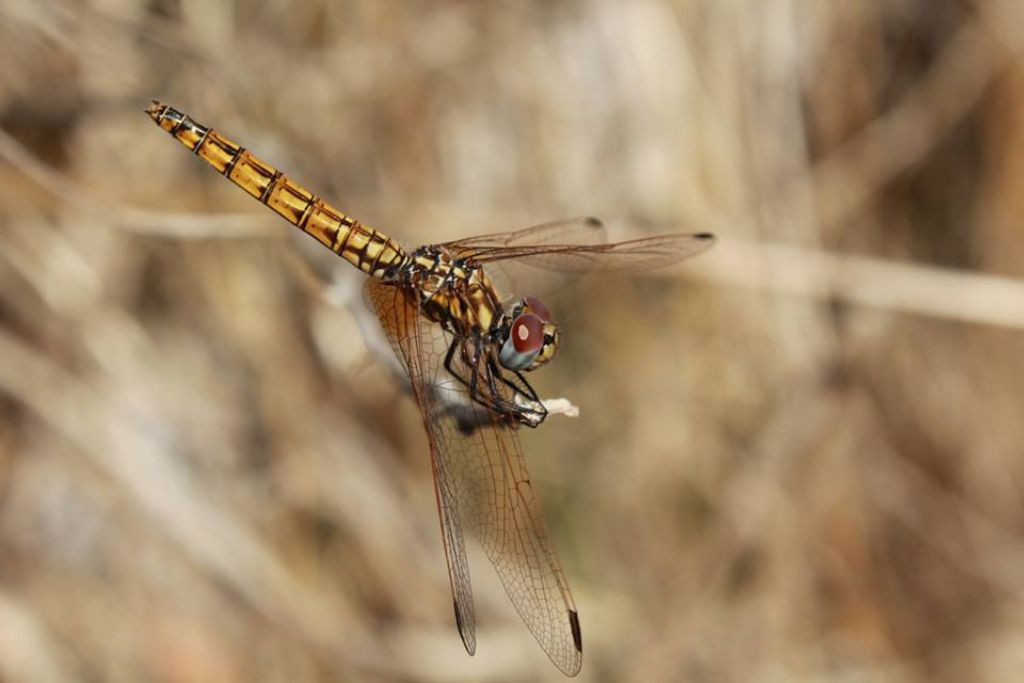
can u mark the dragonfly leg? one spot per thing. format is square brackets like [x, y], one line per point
[449, 365]
[483, 409]
[527, 388]
[493, 400]
[448, 359]
[532, 412]
[474, 376]
[468, 362]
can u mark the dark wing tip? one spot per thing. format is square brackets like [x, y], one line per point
[593, 222]
[707, 236]
[468, 637]
[574, 624]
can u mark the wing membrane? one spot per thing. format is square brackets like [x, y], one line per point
[585, 230]
[399, 316]
[545, 258]
[634, 255]
[482, 481]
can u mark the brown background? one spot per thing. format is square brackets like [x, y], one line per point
[799, 456]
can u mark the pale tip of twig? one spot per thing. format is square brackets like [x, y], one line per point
[561, 406]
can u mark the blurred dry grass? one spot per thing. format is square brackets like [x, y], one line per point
[799, 457]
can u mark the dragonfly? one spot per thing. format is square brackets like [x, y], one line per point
[464, 340]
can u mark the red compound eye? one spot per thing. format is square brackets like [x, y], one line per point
[538, 308]
[527, 333]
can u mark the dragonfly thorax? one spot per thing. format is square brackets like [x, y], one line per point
[453, 292]
[458, 294]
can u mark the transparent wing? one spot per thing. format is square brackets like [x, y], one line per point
[516, 278]
[633, 255]
[547, 257]
[583, 230]
[399, 316]
[481, 478]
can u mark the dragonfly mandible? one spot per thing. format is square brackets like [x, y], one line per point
[463, 342]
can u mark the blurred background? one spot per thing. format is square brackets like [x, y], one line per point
[799, 455]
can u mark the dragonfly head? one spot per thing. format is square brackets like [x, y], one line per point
[531, 339]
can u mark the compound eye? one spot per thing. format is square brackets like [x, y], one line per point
[527, 333]
[535, 305]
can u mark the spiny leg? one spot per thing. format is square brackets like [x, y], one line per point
[476, 363]
[493, 401]
[478, 413]
[515, 410]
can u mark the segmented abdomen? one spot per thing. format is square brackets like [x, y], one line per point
[362, 246]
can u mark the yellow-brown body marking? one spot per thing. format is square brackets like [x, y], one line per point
[457, 295]
[360, 245]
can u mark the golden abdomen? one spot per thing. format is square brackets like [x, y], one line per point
[365, 248]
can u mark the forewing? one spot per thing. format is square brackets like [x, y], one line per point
[547, 257]
[482, 468]
[633, 255]
[517, 278]
[418, 343]
[583, 230]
